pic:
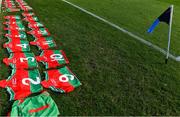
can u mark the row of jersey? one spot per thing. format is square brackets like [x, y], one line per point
[22, 83]
[27, 60]
[23, 5]
[16, 35]
[25, 78]
[10, 6]
[19, 48]
[18, 38]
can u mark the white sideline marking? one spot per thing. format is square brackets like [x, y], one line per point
[123, 30]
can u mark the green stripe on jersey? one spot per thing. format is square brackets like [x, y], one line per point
[11, 93]
[21, 26]
[35, 77]
[31, 60]
[25, 45]
[51, 42]
[43, 31]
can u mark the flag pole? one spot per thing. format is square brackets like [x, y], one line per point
[169, 34]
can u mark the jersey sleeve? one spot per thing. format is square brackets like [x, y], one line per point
[3, 83]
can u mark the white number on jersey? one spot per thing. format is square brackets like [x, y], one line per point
[66, 78]
[57, 57]
[24, 81]
[26, 59]
[22, 45]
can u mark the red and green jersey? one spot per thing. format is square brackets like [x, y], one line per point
[32, 21]
[31, 18]
[38, 106]
[39, 32]
[22, 83]
[22, 2]
[26, 8]
[9, 6]
[44, 43]
[28, 14]
[21, 61]
[17, 45]
[23, 5]
[34, 25]
[12, 22]
[12, 17]
[15, 26]
[11, 10]
[16, 34]
[60, 80]
[52, 58]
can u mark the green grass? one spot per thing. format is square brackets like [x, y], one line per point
[136, 16]
[119, 75]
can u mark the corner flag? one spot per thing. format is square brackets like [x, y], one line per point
[167, 18]
[164, 17]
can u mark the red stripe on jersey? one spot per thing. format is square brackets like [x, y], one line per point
[16, 60]
[12, 43]
[15, 83]
[39, 109]
[54, 81]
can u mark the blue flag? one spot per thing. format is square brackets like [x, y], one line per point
[164, 17]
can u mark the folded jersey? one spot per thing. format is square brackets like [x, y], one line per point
[31, 18]
[34, 25]
[52, 58]
[40, 105]
[15, 26]
[19, 60]
[39, 32]
[43, 43]
[16, 34]
[22, 83]
[28, 14]
[17, 45]
[60, 80]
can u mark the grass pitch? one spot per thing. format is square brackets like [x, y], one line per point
[119, 75]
